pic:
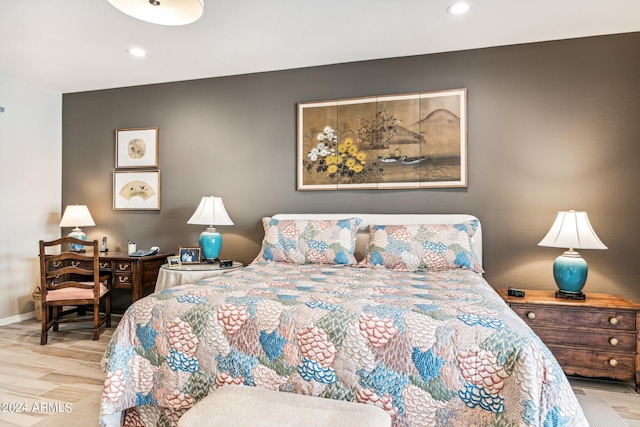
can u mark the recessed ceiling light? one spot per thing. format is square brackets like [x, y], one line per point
[136, 51]
[459, 8]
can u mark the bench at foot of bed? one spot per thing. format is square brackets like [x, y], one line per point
[241, 406]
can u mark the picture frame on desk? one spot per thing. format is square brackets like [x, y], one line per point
[174, 261]
[189, 255]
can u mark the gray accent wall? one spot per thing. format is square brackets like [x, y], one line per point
[551, 126]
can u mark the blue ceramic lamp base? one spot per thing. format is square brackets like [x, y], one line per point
[570, 273]
[211, 243]
[78, 234]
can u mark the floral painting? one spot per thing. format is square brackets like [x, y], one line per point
[383, 142]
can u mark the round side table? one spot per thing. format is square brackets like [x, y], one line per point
[189, 273]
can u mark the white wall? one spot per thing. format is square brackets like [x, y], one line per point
[30, 189]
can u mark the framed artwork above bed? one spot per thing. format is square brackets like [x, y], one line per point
[416, 140]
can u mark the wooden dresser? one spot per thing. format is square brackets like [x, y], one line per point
[595, 337]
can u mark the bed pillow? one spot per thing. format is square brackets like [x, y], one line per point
[432, 247]
[299, 241]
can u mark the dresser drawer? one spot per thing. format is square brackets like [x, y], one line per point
[587, 339]
[595, 363]
[536, 315]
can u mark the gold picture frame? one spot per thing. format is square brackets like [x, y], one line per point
[190, 254]
[136, 190]
[136, 148]
[173, 261]
[415, 140]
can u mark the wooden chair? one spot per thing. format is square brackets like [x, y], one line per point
[72, 279]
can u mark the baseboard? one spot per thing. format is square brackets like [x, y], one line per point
[18, 318]
[31, 315]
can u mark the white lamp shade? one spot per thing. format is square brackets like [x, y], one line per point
[572, 230]
[162, 12]
[76, 216]
[210, 212]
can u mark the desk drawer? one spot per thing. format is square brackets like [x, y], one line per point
[56, 265]
[123, 267]
[536, 315]
[117, 267]
[122, 281]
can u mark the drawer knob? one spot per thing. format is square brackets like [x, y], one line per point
[613, 362]
[123, 267]
[123, 279]
[614, 321]
[531, 315]
[613, 341]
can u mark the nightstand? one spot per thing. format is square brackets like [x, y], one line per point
[190, 273]
[595, 337]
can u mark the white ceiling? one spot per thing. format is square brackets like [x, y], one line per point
[81, 45]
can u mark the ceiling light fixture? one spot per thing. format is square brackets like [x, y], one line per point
[136, 51]
[162, 12]
[459, 8]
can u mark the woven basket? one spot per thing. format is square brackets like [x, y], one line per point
[37, 297]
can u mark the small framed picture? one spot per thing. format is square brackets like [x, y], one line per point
[189, 255]
[139, 190]
[137, 148]
[174, 261]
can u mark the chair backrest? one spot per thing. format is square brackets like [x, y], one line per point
[69, 269]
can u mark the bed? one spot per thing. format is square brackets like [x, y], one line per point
[387, 310]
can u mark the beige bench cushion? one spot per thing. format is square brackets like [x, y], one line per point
[240, 406]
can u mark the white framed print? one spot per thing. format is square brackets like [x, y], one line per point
[137, 148]
[139, 190]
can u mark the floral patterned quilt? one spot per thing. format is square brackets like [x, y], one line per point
[431, 349]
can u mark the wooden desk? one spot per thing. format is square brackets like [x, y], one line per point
[132, 273]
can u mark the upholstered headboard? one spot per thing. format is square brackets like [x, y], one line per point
[395, 219]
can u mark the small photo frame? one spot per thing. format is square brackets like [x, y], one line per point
[174, 261]
[137, 148]
[138, 190]
[189, 255]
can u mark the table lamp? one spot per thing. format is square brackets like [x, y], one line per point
[77, 216]
[571, 230]
[210, 212]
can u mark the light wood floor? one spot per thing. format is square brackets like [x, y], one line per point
[67, 369]
[64, 371]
